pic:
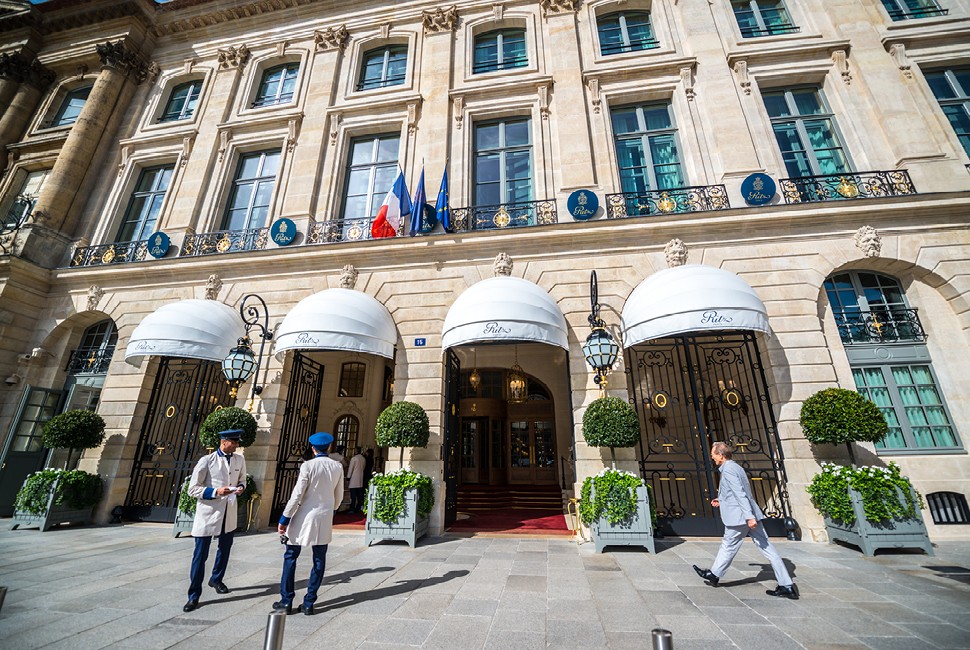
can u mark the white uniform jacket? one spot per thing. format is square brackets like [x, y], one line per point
[734, 496]
[355, 474]
[317, 493]
[212, 471]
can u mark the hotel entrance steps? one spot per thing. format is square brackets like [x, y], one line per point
[483, 498]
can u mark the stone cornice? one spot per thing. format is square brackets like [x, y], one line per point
[789, 52]
[207, 19]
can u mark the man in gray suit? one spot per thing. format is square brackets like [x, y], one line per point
[742, 517]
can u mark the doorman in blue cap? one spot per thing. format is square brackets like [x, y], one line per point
[308, 521]
[217, 481]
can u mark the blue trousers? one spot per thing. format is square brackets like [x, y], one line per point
[287, 591]
[199, 558]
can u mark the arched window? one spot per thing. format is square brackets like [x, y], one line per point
[891, 366]
[277, 85]
[625, 31]
[385, 66]
[501, 49]
[182, 101]
[346, 431]
[71, 106]
[93, 354]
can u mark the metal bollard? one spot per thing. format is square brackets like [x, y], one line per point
[662, 639]
[274, 631]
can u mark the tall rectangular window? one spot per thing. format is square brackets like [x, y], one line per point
[501, 49]
[182, 101]
[386, 66]
[646, 148]
[806, 133]
[952, 90]
[352, 379]
[906, 9]
[71, 106]
[762, 18]
[18, 208]
[625, 31]
[252, 190]
[141, 217]
[277, 85]
[503, 162]
[373, 168]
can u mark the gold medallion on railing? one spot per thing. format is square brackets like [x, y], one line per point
[847, 188]
[224, 244]
[502, 218]
[355, 232]
[666, 204]
[108, 256]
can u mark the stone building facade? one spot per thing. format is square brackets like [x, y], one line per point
[773, 201]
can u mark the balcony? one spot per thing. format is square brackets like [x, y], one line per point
[880, 326]
[116, 253]
[89, 362]
[924, 12]
[673, 201]
[846, 186]
[225, 241]
[335, 231]
[768, 30]
[501, 217]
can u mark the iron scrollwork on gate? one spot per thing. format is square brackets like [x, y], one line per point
[691, 391]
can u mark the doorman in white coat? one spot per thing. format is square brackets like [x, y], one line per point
[742, 517]
[217, 481]
[308, 521]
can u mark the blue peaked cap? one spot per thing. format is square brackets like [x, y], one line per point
[320, 439]
[231, 434]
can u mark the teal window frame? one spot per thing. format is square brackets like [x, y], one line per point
[951, 87]
[277, 85]
[798, 117]
[909, 9]
[500, 49]
[758, 18]
[644, 130]
[383, 67]
[625, 31]
[182, 101]
[503, 162]
[252, 191]
[145, 204]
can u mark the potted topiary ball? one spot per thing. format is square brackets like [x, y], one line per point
[231, 417]
[398, 503]
[77, 429]
[869, 507]
[615, 504]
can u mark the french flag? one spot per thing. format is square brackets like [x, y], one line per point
[396, 204]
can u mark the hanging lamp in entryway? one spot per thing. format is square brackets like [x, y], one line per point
[517, 381]
[475, 379]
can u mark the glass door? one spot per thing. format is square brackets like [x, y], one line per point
[474, 434]
[533, 452]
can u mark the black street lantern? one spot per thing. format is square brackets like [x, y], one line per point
[240, 364]
[600, 349]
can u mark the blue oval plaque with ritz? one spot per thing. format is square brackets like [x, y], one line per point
[582, 204]
[758, 189]
[283, 232]
[158, 244]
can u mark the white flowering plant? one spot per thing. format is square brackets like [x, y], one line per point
[880, 488]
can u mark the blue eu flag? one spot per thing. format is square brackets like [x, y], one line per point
[417, 211]
[441, 209]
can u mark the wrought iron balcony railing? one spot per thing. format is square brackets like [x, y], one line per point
[225, 241]
[117, 253]
[769, 30]
[334, 231]
[848, 185]
[390, 80]
[672, 201]
[924, 12]
[634, 45]
[880, 326]
[89, 362]
[506, 64]
[509, 215]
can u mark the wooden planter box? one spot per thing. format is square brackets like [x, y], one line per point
[408, 527]
[869, 536]
[635, 531]
[53, 515]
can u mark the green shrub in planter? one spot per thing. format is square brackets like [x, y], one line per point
[187, 503]
[837, 415]
[390, 489]
[879, 487]
[403, 424]
[231, 417]
[611, 494]
[611, 422]
[76, 489]
[75, 429]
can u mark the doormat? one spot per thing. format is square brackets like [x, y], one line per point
[511, 522]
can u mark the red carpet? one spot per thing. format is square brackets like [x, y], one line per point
[348, 521]
[511, 522]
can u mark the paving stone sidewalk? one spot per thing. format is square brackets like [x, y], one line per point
[124, 587]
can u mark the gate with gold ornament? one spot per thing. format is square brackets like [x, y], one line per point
[185, 392]
[689, 392]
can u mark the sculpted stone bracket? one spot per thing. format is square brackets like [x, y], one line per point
[95, 293]
[594, 94]
[293, 132]
[348, 276]
[225, 135]
[869, 241]
[413, 117]
[119, 56]
[458, 103]
[744, 81]
[187, 143]
[687, 78]
[841, 60]
[676, 253]
[502, 266]
[331, 38]
[335, 120]
[440, 20]
[898, 53]
[212, 287]
[543, 94]
[550, 7]
[234, 57]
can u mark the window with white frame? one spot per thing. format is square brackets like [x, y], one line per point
[352, 379]
[70, 107]
[907, 9]
[371, 172]
[762, 18]
[952, 89]
[383, 67]
[503, 162]
[277, 85]
[19, 206]
[346, 432]
[625, 31]
[182, 101]
[141, 215]
[501, 49]
[252, 190]
[647, 153]
[806, 132]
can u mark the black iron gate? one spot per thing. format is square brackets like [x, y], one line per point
[299, 423]
[451, 449]
[185, 392]
[689, 392]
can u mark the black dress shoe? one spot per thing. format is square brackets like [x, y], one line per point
[307, 610]
[220, 587]
[189, 606]
[788, 591]
[280, 606]
[708, 577]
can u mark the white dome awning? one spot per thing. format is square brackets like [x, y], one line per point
[504, 309]
[691, 298]
[338, 319]
[190, 329]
